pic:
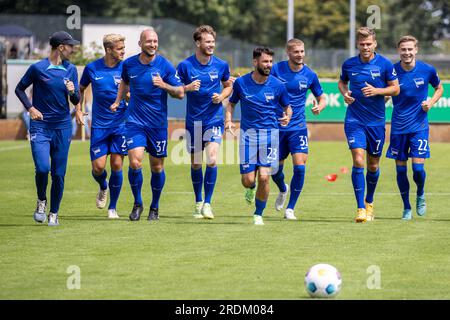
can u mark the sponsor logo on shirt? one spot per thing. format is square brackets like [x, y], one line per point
[98, 78]
[419, 82]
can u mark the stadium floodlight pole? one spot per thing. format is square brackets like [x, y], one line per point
[352, 40]
[290, 20]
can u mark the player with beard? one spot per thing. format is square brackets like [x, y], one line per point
[261, 95]
[108, 128]
[298, 79]
[203, 73]
[149, 77]
[371, 77]
[409, 126]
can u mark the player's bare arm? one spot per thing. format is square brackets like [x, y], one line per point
[392, 89]
[176, 92]
[79, 114]
[343, 88]
[229, 125]
[438, 91]
[123, 89]
[227, 90]
[319, 105]
[287, 115]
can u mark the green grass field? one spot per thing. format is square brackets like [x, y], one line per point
[228, 257]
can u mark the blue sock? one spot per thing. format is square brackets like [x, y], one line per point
[135, 178]
[371, 180]
[358, 185]
[260, 206]
[115, 184]
[210, 182]
[296, 185]
[403, 185]
[57, 190]
[41, 185]
[419, 176]
[197, 183]
[101, 179]
[278, 178]
[157, 183]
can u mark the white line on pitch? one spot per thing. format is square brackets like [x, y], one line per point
[13, 148]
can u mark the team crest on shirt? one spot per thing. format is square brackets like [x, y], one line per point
[117, 80]
[419, 82]
[269, 96]
[375, 73]
[302, 84]
[213, 75]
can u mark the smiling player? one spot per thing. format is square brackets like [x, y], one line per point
[409, 129]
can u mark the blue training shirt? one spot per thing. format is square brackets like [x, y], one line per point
[148, 104]
[377, 72]
[297, 84]
[105, 83]
[260, 103]
[50, 95]
[408, 115]
[199, 105]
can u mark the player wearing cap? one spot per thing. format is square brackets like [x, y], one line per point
[371, 77]
[108, 128]
[409, 126]
[55, 82]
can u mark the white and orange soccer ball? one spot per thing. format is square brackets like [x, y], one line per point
[323, 281]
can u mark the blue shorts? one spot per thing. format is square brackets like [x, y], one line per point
[295, 141]
[413, 145]
[369, 138]
[153, 139]
[51, 144]
[107, 141]
[258, 148]
[198, 136]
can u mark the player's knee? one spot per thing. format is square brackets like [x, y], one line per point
[157, 167]
[211, 161]
[247, 182]
[116, 164]
[372, 167]
[97, 169]
[135, 164]
[263, 179]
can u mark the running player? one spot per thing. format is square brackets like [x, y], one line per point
[108, 128]
[149, 77]
[298, 78]
[409, 126]
[371, 77]
[202, 74]
[261, 95]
